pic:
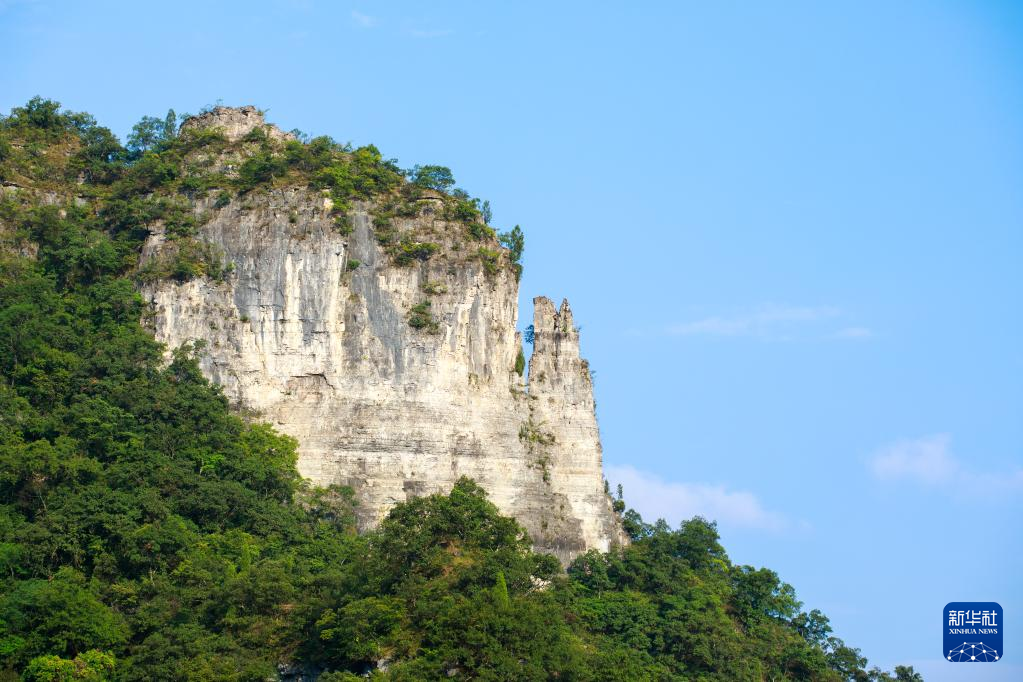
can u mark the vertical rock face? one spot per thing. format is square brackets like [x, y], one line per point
[311, 332]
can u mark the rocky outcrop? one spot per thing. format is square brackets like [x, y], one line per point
[310, 330]
[234, 123]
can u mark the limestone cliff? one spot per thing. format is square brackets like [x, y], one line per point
[310, 329]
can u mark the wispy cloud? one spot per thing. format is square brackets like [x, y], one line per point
[768, 321]
[363, 20]
[656, 498]
[929, 461]
[925, 460]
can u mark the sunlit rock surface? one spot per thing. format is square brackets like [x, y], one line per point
[311, 332]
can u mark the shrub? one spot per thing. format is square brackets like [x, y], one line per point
[184, 259]
[420, 317]
[154, 170]
[407, 209]
[386, 237]
[191, 184]
[480, 232]
[408, 251]
[207, 139]
[343, 224]
[223, 199]
[260, 168]
[534, 434]
[465, 211]
[490, 260]
[178, 218]
[255, 135]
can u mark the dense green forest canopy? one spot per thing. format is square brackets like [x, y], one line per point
[149, 533]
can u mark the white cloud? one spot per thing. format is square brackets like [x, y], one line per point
[363, 20]
[929, 461]
[656, 498]
[766, 322]
[926, 460]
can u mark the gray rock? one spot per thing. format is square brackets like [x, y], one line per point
[235, 123]
[325, 353]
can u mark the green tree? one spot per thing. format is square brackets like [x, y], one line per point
[433, 177]
[515, 242]
[150, 133]
[62, 616]
[501, 599]
[905, 673]
[88, 666]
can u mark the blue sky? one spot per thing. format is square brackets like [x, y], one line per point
[791, 232]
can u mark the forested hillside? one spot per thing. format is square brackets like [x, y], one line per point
[147, 532]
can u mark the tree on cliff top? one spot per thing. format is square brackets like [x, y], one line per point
[433, 177]
[150, 132]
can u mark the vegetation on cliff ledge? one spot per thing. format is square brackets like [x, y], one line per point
[148, 533]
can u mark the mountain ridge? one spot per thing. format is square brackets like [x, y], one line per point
[151, 531]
